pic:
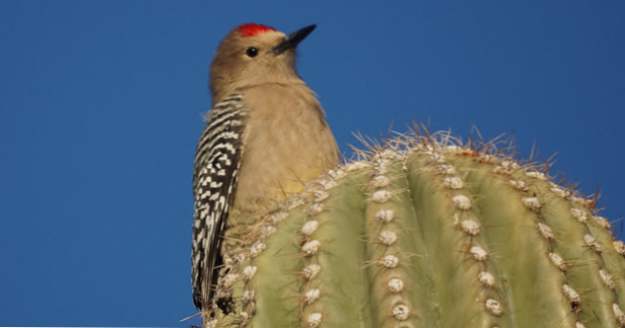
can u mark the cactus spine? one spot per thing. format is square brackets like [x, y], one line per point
[427, 234]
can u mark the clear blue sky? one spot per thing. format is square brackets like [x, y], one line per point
[101, 104]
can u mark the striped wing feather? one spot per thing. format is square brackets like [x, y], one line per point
[216, 165]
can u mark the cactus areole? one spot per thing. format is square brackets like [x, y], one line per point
[424, 233]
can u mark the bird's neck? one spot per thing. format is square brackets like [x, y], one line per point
[226, 90]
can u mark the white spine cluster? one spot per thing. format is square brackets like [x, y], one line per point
[619, 247]
[453, 183]
[395, 285]
[618, 313]
[579, 214]
[532, 203]
[607, 279]
[257, 248]
[311, 295]
[381, 196]
[311, 247]
[557, 260]
[571, 294]
[487, 279]
[519, 185]
[387, 237]
[603, 222]
[249, 272]
[494, 307]
[401, 312]
[310, 227]
[545, 231]
[311, 271]
[385, 215]
[560, 192]
[592, 242]
[478, 253]
[314, 320]
[470, 227]
[536, 175]
[462, 202]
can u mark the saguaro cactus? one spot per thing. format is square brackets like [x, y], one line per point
[423, 233]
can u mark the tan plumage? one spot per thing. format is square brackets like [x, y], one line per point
[275, 138]
[286, 142]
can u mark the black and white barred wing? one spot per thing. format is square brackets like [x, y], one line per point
[217, 161]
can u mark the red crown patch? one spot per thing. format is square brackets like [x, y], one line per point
[252, 29]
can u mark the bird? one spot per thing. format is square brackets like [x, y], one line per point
[266, 133]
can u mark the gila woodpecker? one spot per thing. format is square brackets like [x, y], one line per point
[265, 134]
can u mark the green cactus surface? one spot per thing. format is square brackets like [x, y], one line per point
[423, 233]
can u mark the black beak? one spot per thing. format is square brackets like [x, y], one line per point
[293, 39]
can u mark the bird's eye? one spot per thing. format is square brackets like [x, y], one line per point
[251, 51]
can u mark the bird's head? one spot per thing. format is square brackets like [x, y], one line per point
[254, 54]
